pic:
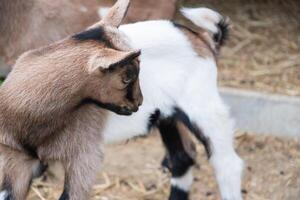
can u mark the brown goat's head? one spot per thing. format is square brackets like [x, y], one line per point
[97, 66]
[114, 67]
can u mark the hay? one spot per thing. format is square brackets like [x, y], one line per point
[271, 172]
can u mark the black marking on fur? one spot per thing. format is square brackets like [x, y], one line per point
[129, 94]
[112, 107]
[125, 61]
[96, 34]
[166, 163]
[6, 185]
[30, 150]
[223, 32]
[64, 195]
[182, 116]
[41, 170]
[180, 163]
[132, 72]
[179, 158]
[153, 119]
[131, 75]
[178, 194]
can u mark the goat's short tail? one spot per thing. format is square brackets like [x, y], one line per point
[210, 21]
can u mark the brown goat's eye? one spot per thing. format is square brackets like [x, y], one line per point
[129, 76]
[127, 80]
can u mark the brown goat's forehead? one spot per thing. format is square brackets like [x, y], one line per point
[110, 38]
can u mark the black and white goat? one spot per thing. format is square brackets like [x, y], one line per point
[178, 80]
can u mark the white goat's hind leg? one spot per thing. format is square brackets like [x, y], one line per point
[218, 128]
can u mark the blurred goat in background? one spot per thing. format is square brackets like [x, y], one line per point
[30, 24]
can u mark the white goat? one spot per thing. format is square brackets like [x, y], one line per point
[179, 84]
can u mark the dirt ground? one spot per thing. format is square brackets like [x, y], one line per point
[132, 172]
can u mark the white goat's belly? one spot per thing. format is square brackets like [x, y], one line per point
[172, 74]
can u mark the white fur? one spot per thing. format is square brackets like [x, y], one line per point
[3, 195]
[203, 17]
[159, 89]
[184, 182]
[173, 74]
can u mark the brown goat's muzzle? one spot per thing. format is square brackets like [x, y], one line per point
[134, 100]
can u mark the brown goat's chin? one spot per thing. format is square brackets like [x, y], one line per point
[111, 107]
[120, 110]
[123, 112]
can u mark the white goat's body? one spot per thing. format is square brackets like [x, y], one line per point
[167, 70]
[174, 75]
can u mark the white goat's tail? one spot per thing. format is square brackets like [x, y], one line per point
[209, 20]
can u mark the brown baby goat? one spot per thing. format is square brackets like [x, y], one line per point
[51, 106]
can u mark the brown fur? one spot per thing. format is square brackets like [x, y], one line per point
[44, 114]
[201, 40]
[200, 43]
[187, 141]
[16, 171]
[116, 15]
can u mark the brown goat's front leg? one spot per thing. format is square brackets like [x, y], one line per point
[18, 169]
[80, 173]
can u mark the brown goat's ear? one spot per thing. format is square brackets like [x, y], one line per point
[116, 14]
[110, 58]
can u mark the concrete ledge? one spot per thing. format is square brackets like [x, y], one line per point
[264, 113]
